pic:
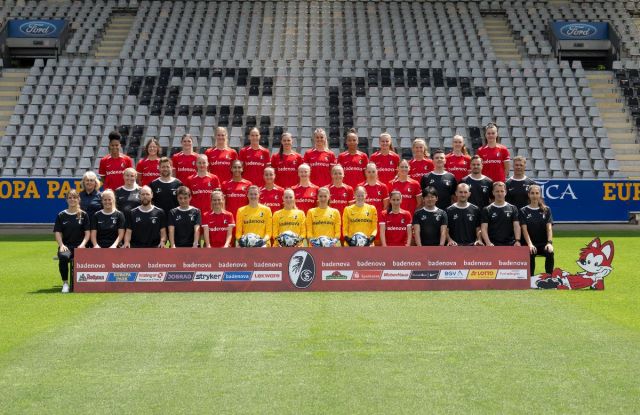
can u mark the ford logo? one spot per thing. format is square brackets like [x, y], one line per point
[302, 269]
[37, 28]
[578, 30]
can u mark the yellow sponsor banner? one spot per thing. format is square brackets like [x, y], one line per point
[482, 274]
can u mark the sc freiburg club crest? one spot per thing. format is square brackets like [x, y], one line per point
[302, 269]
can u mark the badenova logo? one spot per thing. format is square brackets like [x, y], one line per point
[578, 30]
[302, 269]
[37, 28]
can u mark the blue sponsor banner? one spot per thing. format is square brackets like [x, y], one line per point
[36, 28]
[581, 30]
[122, 277]
[237, 276]
[591, 200]
[24, 200]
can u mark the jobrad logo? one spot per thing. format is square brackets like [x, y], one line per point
[578, 30]
[424, 275]
[237, 276]
[174, 276]
[37, 28]
[122, 276]
[302, 269]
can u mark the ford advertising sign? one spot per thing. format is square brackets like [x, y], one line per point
[581, 30]
[36, 28]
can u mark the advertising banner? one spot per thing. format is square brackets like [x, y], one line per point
[580, 30]
[24, 200]
[302, 269]
[36, 28]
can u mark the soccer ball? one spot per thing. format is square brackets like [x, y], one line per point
[323, 242]
[288, 238]
[251, 240]
[359, 239]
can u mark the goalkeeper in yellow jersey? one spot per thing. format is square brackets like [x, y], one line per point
[253, 222]
[323, 222]
[289, 227]
[360, 221]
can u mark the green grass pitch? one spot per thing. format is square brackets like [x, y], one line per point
[327, 353]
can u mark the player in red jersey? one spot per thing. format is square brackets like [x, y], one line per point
[202, 184]
[286, 162]
[341, 193]
[184, 162]
[149, 167]
[218, 224]
[421, 162]
[496, 160]
[320, 159]
[395, 223]
[235, 190]
[377, 192]
[255, 158]
[113, 164]
[386, 160]
[221, 156]
[271, 193]
[409, 189]
[458, 161]
[353, 161]
[306, 192]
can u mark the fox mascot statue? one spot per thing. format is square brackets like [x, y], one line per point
[595, 260]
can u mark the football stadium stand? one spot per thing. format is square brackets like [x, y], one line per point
[428, 69]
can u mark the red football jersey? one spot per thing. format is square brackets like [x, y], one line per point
[272, 198]
[112, 168]
[201, 189]
[418, 168]
[409, 189]
[459, 166]
[320, 162]
[184, 165]
[493, 161]
[220, 162]
[286, 167]
[306, 196]
[354, 166]
[235, 195]
[217, 224]
[341, 197]
[254, 163]
[148, 170]
[376, 194]
[396, 226]
[387, 165]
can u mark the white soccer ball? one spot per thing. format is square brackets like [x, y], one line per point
[288, 238]
[251, 240]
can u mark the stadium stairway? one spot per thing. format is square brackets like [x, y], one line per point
[501, 37]
[114, 37]
[11, 82]
[610, 102]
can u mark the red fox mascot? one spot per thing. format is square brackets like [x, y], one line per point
[595, 260]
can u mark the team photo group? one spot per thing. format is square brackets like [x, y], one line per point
[222, 198]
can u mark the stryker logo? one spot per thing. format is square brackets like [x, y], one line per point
[482, 274]
[512, 274]
[424, 275]
[453, 274]
[367, 275]
[92, 276]
[578, 30]
[122, 276]
[337, 275]
[398, 274]
[267, 276]
[175, 276]
[208, 276]
[237, 276]
[150, 277]
[37, 28]
[302, 269]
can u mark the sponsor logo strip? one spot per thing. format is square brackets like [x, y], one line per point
[482, 274]
[212, 276]
[396, 274]
[92, 276]
[453, 274]
[121, 276]
[267, 276]
[512, 274]
[150, 277]
[337, 275]
[237, 276]
[176, 276]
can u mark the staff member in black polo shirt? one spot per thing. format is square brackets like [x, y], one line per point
[463, 220]
[430, 222]
[518, 184]
[537, 227]
[440, 179]
[500, 224]
[184, 222]
[146, 226]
